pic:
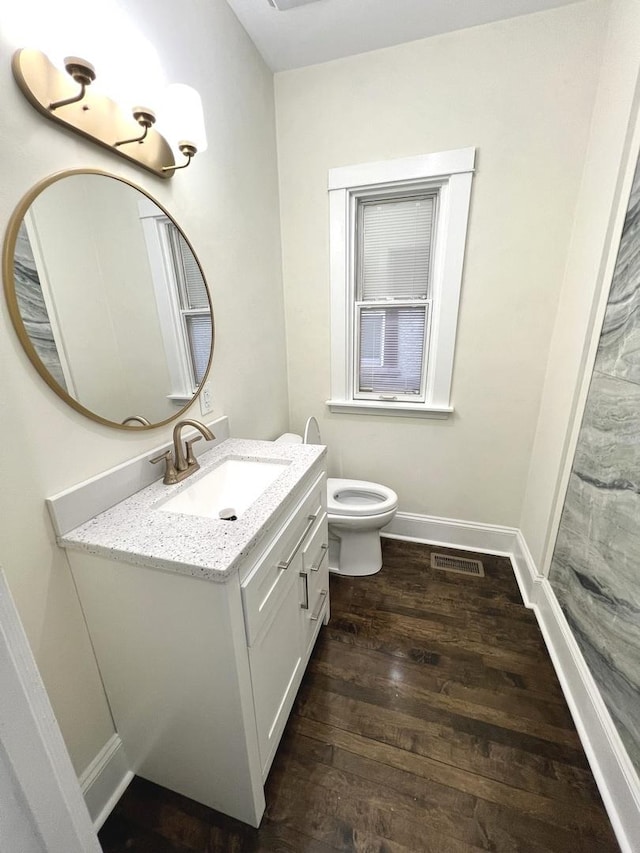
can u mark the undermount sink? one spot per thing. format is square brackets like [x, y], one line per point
[227, 490]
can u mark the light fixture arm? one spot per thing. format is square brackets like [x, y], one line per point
[83, 73]
[189, 150]
[67, 101]
[140, 138]
[146, 118]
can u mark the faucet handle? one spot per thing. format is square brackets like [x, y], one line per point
[191, 459]
[170, 473]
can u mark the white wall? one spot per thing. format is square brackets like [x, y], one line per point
[17, 831]
[602, 202]
[522, 92]
[227, 204]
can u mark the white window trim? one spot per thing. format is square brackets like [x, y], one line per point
[451, 172]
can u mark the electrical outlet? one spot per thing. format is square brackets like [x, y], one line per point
[206, 399]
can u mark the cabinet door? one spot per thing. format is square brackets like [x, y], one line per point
[276, 671]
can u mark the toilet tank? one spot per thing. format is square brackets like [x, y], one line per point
[289, 438]
[311, 434]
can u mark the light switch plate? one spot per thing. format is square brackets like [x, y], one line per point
[206, 399]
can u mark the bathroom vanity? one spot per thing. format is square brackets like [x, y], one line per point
[202, 628]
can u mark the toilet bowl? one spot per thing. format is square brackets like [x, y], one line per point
[356, 510]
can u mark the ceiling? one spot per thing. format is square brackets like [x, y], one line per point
[321, 30]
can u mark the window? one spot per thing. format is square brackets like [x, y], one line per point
[397, 233]
[184, 310]
[193, 304]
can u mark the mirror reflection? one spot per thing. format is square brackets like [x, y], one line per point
[109, 300]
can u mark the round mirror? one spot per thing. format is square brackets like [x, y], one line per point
[108, 299]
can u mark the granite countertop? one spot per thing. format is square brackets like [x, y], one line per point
[137, 531]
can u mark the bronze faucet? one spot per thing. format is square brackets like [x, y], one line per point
[178, 465]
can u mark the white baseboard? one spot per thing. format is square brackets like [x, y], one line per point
[105, 780]
[613, 771]
[452, 533]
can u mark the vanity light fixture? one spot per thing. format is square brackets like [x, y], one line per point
[95, 116]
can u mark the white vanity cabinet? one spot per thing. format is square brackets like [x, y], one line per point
[201, 674]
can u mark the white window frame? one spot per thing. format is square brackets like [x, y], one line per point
[449, 173]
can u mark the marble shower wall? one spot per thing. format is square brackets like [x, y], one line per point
[595, 571]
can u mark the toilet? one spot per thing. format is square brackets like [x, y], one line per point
[357, 510]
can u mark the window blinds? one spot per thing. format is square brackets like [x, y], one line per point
[194, 305]
[396, 248]
[392, 308]
[199, 334]
[196, 289]
[392, 352]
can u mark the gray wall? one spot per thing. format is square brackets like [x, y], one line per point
[595, 570]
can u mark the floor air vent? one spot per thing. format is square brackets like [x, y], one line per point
[457, 564]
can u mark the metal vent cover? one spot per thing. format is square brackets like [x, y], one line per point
[461, 565]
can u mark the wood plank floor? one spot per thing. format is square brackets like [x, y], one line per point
[430, 719]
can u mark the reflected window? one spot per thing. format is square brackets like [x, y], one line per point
[184, 309]
[195, 310]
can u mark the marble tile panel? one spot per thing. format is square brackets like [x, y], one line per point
[595, 570]
[619, 347]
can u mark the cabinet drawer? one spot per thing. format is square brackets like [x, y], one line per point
[265, 586]
[314, 552]
[315, 583]
[314, 563]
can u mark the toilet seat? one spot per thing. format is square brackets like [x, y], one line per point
[359, 498]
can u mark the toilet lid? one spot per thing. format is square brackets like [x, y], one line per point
[359, 497]
[312, 432]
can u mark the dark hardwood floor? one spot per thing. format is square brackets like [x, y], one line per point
[430, 719]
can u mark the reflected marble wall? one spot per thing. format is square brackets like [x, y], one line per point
[33, 308]
[595, 570]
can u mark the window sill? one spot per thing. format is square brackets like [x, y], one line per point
[180, 400]
[399, 410]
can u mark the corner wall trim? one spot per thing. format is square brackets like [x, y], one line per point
[613, 771]
[105, 780]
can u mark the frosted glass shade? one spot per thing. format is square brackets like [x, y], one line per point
[182, 116]
[133, 75]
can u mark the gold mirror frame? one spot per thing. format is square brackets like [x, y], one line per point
[8, 253]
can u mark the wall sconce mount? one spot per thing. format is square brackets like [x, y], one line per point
[95, 116]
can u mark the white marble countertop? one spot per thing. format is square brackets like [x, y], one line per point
[136, 531]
